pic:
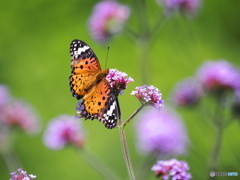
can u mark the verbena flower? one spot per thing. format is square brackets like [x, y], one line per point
[118, 80]
[161, 132]
[20, 114]
[4, 95]
[21, 175]
[218, 76]
[63, 130]
[149, 95]
[108, 18]
[187, 6]
[186, 92]
[172, 169]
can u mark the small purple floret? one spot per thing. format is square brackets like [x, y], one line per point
[21, 175]
[172, 169]
[118, 80]
[149, 95]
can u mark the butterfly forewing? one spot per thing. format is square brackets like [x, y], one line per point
[84, 65]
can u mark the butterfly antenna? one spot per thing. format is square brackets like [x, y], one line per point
[107, 56]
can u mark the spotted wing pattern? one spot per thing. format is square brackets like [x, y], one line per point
[88, 82]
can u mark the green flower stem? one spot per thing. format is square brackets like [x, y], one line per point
[97, 164]
[216, 149]
[218, 121]
[126, 153]
[9, 156]
[132, 116]
[144, 58]
[11, 161]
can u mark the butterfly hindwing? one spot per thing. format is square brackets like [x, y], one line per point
[101, 104]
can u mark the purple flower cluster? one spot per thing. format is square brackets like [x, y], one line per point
[118, 80]
[186, 92]
[212, 78]
[172, 169]
[219, 75]
[161, 132]
[19, 114]
[21, 175]
[15, 113]
[108, 18]
[187, 6]
[63, 130]
[149, 95]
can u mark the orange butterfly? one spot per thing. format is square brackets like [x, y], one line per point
[88, 82]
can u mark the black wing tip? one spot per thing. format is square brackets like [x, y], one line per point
[78, 41]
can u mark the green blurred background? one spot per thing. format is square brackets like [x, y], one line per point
[35, 65]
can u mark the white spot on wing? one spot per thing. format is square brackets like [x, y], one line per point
[112, 107]
[82, 49]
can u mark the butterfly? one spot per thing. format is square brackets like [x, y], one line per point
[88, 82]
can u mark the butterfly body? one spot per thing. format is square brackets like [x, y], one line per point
[88, 82]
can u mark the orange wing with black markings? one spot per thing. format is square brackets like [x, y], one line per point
[88, 82]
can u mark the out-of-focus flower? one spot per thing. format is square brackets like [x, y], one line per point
[63, 130]
[161, 132]
[172, 169]
[186, 92]
[108, 18]
[4, 95]
[118, 80]
[20, 114]
[149, 95]
[187, 6]
[21, 175]
[218, 76]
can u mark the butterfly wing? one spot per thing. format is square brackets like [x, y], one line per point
[84, 65]
[101, 103]
[88, 82]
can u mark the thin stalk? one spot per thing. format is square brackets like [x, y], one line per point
[97, 164]
[157, 27]
[9, 156]
[11, 161]
[216, 150]
[132, 116]
[144, 58]
[218, 121]
[126, 153]
[125, 150]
